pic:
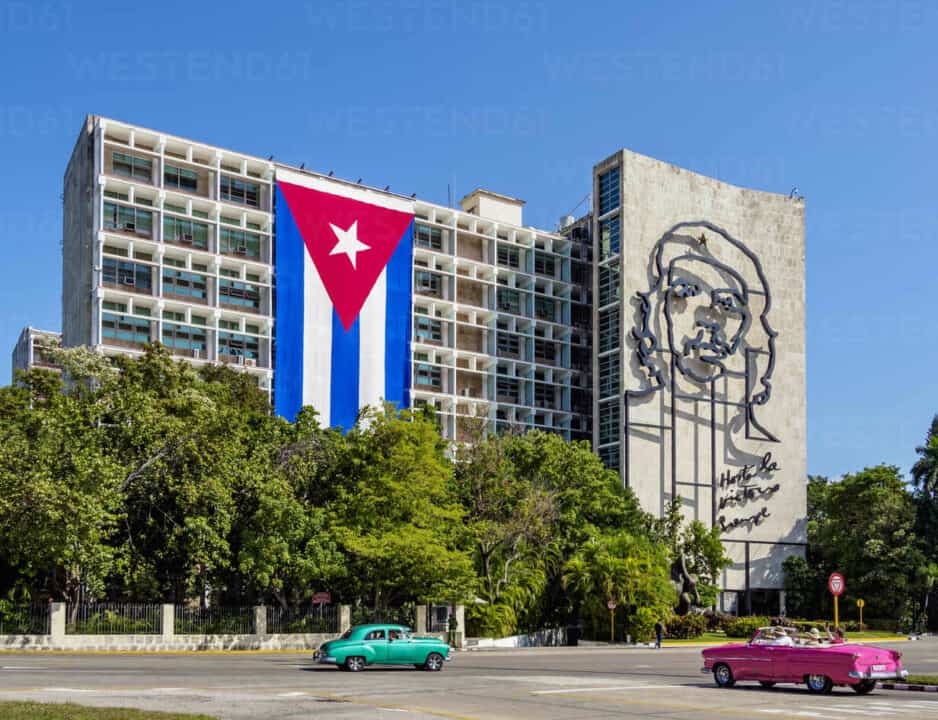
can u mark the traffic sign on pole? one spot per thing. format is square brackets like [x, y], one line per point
[836, 584]
[860, 603]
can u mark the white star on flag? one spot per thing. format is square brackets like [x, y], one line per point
[349, 244]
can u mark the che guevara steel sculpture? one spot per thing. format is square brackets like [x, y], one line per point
[713, 295]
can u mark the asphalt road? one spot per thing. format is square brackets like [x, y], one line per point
[573, 684]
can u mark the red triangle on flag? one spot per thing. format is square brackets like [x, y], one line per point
[349, 241]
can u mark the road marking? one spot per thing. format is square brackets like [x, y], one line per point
[799, 713]
[564, 691]
[22, 667]
[71, 690]
[292, 694]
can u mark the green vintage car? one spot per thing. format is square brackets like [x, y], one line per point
[383, 645]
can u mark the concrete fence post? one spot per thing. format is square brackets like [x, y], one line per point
[420, 622]
[460, 613]
[345, 617]
[260, 620]
[57, 621]
[167, 620]
[781, 603]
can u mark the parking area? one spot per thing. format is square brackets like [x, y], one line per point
[530, 684]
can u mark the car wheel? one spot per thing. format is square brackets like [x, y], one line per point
[723, 676]
[767, 683]
[864, 686]
[434, 662]
[354, 663]
[820, 684]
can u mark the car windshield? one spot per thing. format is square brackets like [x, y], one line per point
[346, 635]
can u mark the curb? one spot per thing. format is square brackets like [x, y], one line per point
[906, 686]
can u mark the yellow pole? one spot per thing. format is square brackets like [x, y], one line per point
[836, 615]
[612, 626]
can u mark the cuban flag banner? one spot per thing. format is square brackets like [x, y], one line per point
[344, 276]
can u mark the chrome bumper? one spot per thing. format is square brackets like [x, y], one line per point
[706, 670]
[320, 658]
[887, 675]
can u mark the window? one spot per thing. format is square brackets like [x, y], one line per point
[544, 264]
[545, 308]
[375, 635]
[427, 283]
[428, 330]
[609, 375]
[609, 238]
[428, 376]
[509, 344]
[609, 422]
[241, 295]
[508, 390]
[175, 262]
[239, 242]
[240, 191]
[181, 337]
[117, 307]
[237, 345]
[608, 329]
[608, 283]
[610, 457]
[111, 250]
[509, 301]
[429, 237]
[509, 256]
[171, 315]
[127, 275]
[133, 167]
[185, 232]
[198, 320]
[609, 191]
[544, 396]
[180, 178]
[545, 351]
[124, 329]
[174, 208]
[128, 219]
[187, 285]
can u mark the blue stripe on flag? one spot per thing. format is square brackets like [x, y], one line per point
[346, 359]
[291, 253]
[398, 321]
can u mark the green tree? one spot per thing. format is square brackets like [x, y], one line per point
[394, 515]
[864, 528]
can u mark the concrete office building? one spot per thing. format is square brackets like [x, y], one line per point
[666, 325]
[700, 362]
[29, 351]
[171, 240]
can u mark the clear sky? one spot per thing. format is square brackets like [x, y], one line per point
[836, 98]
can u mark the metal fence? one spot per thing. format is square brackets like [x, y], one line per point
[113, 619]
[437, 618]
[214, 620]
[305, 619]
[25, 619]
[406, 615]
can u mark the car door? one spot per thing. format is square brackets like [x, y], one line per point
[779, 663]
[402, 650]
[377, 642]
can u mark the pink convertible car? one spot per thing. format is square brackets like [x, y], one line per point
[785, 655]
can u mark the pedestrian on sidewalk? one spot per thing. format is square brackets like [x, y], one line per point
[659, 632]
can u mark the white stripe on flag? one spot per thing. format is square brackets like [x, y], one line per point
[373, 328]
[317, 341]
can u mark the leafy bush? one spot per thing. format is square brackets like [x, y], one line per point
[685, 627]
[744, 627]
[642, 624]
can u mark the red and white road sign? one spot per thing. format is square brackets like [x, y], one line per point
[611, 604]
[322, 598]
[835, 583]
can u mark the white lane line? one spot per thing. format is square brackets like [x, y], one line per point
[800, 713]
[22, 667]
[827, 708]
[564, 691]
[292, 694]
[71, 690]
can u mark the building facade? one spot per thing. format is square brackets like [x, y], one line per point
[666, 325]
[700, 362]
[29, 351]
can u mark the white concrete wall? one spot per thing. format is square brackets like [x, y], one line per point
[657, 196]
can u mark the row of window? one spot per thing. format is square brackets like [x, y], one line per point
[234, 190]
[130, 330]
[609, 422]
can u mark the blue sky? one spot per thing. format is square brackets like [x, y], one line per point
[835, 98]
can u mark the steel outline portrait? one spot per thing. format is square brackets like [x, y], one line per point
[708, 354]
